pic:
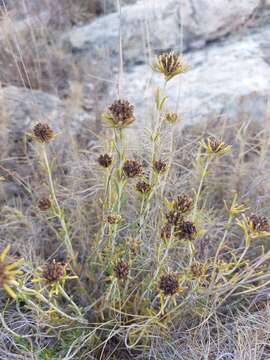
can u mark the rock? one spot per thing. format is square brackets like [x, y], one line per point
[108, 6]
[229, 78]
[155, 25]
[20, 109]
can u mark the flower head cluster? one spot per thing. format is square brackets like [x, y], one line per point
[170, 64]
[105, 160]
[44, 204]
[216, 146]
[54, 271]
[54, 275]
[9, 273]
[198, 270]
[120, 114]
[121, 270]
[43, 133]
[186, 230]
[113, 218]
[254, 226]
[160, 166]
[174, 217]
[143, 187]
[166, 231]
[183, 203]
[132, 168]
[259, 223]
[169, 284]
[172, 117]
[176, 223]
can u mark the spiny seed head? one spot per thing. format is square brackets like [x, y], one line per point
[174, 217]
[143, 187]
[172, 117]
[113, 219]
[187, 230]
[120, 114]
[44, 204]
[105, 160]
[197, 269]
[132, 168]
[121, 270]
[43, 133]
[54, 271]
[166, 232]
[169, 284]
[183, 203]
[170, 64]
[160, 166]
[259, 223]
[216, 146]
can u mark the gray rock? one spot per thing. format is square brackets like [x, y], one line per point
[155, 25]
[20, 109]
[107, 6]
[229, 79]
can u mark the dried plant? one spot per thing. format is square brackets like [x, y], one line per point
[43, 133]
[105, 160]
[138, 259]
[170, 64]
[44, 204]
[120, 114]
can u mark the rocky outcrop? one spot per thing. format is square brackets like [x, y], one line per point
[155, 25]
[228, 79]
[225, 42]
[107, 6]
[20, 109]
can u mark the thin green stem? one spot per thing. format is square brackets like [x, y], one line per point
[57, 209]
[198, 194]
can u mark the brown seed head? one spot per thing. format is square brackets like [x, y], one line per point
[113, 219]
[143, 187]
[54, 271]
[216, 146]
[132, 168]
[160, 166]
[187, 230]
[43, 133]
[171, 117]
[174, 217]
[166, 232]
[183, 203]
[169, 284]
[121, 270]
[105, 160]
[121, 113]
[197, 269]
[44, 204]
[170, 64]
[259, 223]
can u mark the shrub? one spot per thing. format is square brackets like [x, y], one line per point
[134, 264]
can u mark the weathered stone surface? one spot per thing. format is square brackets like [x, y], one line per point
[155, 25]
[107, 6]
[229, 79]
[20, 109]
